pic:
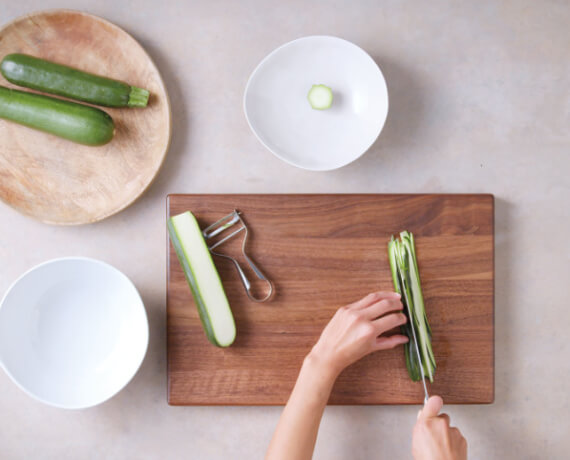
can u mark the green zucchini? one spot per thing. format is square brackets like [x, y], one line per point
[406, 279]
[203, 278]
[49, 77]
[76, 122]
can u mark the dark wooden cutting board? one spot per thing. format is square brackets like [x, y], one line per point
[324, 251]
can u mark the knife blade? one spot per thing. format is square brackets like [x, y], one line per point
[406, 301]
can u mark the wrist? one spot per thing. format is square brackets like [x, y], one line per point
[315, 381]
[316, 363]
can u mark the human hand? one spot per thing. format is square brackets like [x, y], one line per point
[356, 330]
[433, 438]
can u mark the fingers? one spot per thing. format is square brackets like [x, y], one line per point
[444, 417]
[432, 407]
[385, 343]
[382, 307]
[455, 432]
[373, 298]
[385, 323]
[460, 440]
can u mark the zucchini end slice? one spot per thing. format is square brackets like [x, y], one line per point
[320, 97]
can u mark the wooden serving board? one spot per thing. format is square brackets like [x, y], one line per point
[58, 181]
[324, 251]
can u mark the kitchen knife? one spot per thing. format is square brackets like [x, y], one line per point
[426, 395]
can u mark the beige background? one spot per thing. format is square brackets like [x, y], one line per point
[479, 102]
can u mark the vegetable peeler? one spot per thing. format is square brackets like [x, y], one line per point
[234, 218]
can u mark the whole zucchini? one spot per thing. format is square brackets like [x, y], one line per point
[49, 77]
[76, 122]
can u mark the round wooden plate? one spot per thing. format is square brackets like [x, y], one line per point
[60, 182]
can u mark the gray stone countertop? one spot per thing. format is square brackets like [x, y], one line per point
[479, 102]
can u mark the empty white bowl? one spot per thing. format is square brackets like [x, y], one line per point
[279, 114]
[73, 332]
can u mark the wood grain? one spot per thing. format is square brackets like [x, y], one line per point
[324, 251]
[60, 182]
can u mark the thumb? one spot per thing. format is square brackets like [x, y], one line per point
[432, 407]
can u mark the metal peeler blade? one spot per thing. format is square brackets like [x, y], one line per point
[220, 226]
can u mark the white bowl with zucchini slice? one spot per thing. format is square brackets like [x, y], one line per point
[317, 102]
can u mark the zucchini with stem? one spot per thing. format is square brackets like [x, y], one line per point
[406, 279]
[50, 77]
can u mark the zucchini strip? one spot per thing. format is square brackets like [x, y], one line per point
[406, 279]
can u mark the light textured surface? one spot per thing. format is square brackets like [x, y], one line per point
[479, 102]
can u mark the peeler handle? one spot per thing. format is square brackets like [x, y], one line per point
[245, 280]
[254, 267]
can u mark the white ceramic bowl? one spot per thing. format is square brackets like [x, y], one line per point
[73, 332]
[279, 114]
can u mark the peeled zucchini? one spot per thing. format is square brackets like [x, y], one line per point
[203, 278]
